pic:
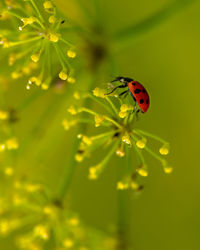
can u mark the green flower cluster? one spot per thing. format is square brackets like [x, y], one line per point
[119, 137]
[35, 42]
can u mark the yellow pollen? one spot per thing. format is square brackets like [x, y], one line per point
[63, 76]
[71, 53]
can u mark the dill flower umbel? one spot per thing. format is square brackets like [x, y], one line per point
[28, 209]
[35, 42]
[118, 135]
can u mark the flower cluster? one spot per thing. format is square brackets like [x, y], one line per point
[35, 42]
[28, 209]
[118, 136]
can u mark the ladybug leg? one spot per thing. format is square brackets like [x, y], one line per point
[124, 93]
[137, 112]
[118, 87]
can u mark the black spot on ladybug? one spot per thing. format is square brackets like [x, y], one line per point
[147, 101]
[144, 91]
[137, 91]
[133, 83]
[141, 101]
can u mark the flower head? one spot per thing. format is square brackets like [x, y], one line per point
[38, 44]
[118, 135]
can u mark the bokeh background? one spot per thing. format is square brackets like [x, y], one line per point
[164, 56]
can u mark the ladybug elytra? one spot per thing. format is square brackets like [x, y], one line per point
[137, 91]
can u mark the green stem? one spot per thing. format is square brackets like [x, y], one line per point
[112, 105]
[25, 41]
[37, 11]
[139, 132]
[124, 214]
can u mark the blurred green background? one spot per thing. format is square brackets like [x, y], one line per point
[165, 58]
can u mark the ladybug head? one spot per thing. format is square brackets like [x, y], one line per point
[124, 80]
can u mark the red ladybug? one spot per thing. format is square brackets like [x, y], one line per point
[137, 91]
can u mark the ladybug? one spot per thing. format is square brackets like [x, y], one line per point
[137, 91]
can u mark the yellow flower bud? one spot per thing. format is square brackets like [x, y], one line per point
[164, 150]
[35, 80]
[63, 76]
[126, 107]
[3, 115]
[98, 120]
[52, 19]
[44, 86]
[54, 37]
[12, 144]
[79, 157]
[120, 152]
[93, 173]
[68, 243]
[122, 185]
[48, 5]
[8, 171]
[168, 170]
[35, 57]
[134, 185]
[142, 171]
[122, 114]
[141, 143]
[71, 53]
[71, 80]
[76, 95]
[27, 21]
[126, 139]
[16, 75]
[86, 140]
[2, 147]
[99, 92]
[41, 231]
[72, 110]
